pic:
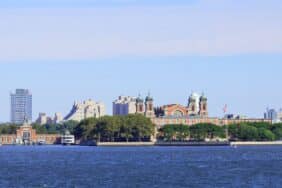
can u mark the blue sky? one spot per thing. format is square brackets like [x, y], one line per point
[73, 50]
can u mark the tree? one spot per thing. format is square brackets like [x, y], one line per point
[265, 135]
[8, 129]
[243, 132]
[202, 131]
[277, 131]
[168, 132]
[176, 132]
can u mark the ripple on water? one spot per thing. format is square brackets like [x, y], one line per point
[140, 166]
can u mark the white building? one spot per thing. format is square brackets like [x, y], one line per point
[124, 105]
[279, 115]
[272, 114]
[86, 109]
[44, 119]
[58, 118]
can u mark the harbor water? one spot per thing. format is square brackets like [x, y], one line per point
[76, 166]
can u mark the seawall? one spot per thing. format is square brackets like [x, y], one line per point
[256, 143]
[192, 143]
[125, 144]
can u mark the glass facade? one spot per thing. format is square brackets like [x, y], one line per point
[21, 106]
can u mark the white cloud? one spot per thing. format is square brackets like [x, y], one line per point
[206, 28]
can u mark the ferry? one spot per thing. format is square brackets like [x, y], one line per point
[67, 139]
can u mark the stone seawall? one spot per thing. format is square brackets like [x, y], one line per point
[255, 143]
[192, 143]
[125, 143]
[163, 144]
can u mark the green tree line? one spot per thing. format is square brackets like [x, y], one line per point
[235, 132]
[107, 128]
[115, 128]
[197, 132]
[140, 128]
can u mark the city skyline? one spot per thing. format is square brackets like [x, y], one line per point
[249, 93]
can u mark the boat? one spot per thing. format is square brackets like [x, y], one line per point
[67, 138]
[41, 142]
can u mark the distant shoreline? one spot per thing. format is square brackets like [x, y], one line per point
[167, 144]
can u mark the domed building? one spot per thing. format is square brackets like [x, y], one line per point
[197, 107]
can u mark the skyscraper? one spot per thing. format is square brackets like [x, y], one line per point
[21, 106]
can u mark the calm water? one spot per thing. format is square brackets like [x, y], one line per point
[57, 166]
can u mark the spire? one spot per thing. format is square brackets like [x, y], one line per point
[149, 98]
[26, 121]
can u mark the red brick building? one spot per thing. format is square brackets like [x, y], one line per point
[27, 135]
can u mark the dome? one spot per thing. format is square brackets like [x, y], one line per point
[193, 97]
[203, 97]
[139, 100]
[149, 98]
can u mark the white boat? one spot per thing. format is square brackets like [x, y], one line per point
[67, 139]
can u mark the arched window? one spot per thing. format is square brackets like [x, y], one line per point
[178, 113]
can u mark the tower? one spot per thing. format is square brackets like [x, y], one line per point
[139, 105]
[21, 106]
[203, 106]
[149, 106]
[192, 105]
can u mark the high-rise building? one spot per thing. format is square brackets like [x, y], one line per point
[125, 105]
[21, 106]
[273, 115]
[44, 119]
[279, 115]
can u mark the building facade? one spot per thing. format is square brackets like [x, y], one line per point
[275, 116]
[21, 106]
[86, 109]
[194, 113]
[161, 121]
[27, 135]
[44, 119]
[125, 105]
[197, 107]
